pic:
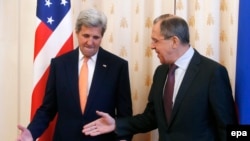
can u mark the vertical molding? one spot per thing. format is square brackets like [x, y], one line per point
[18, 64]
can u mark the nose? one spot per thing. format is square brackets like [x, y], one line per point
[90, 41]
[152, 46]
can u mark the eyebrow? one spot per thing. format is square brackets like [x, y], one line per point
[153, 38]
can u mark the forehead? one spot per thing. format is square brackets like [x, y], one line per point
[92, 30]
[156, 30]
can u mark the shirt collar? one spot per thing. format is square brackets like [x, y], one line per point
[93, 58]
[185, 59]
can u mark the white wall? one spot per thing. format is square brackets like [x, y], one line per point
[9, 53]
[16, 55]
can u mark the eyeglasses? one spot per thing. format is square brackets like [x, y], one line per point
[155, 41]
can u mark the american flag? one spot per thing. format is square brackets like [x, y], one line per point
[242, 89]
[53, 37]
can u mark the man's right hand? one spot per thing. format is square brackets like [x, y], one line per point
[25, 134]
[104, 124]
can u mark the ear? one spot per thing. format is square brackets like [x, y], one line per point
[176, 41]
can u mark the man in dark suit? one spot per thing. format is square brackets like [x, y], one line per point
[108, 86]
[202, 104]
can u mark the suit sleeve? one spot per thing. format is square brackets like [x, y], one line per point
[47, 111]
[124, 101]
[221, 101]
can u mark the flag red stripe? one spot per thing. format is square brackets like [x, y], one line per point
[38, 93]
[42, 35]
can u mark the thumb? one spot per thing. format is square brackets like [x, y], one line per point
[20, 127]
[103, 114]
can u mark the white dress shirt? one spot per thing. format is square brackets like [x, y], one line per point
[182, 63]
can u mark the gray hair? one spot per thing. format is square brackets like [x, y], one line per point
[173, 26]
[162, 17]
[91, 18]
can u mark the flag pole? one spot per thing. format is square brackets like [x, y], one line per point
[174, 7]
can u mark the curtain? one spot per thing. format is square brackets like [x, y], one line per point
[213, 29]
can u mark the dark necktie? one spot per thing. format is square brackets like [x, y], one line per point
[168, 92]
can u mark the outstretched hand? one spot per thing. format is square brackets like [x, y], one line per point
[25, 134]
[104, 124]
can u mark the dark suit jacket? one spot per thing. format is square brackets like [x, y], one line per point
[204, 105]
[109, 92]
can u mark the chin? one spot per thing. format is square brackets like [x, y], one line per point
[162, 62]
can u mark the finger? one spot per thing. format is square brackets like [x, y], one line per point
[20, 127]
[86, 130]
[90, 124]
[89, 127]
[102, 114]
[18, 138]
[93, 132]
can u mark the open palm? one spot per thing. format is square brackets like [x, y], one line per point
[104, 124]
[25, 134]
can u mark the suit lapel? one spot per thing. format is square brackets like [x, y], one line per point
[98, 77]
[191, 72]
[158, 91]
[72, 75]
